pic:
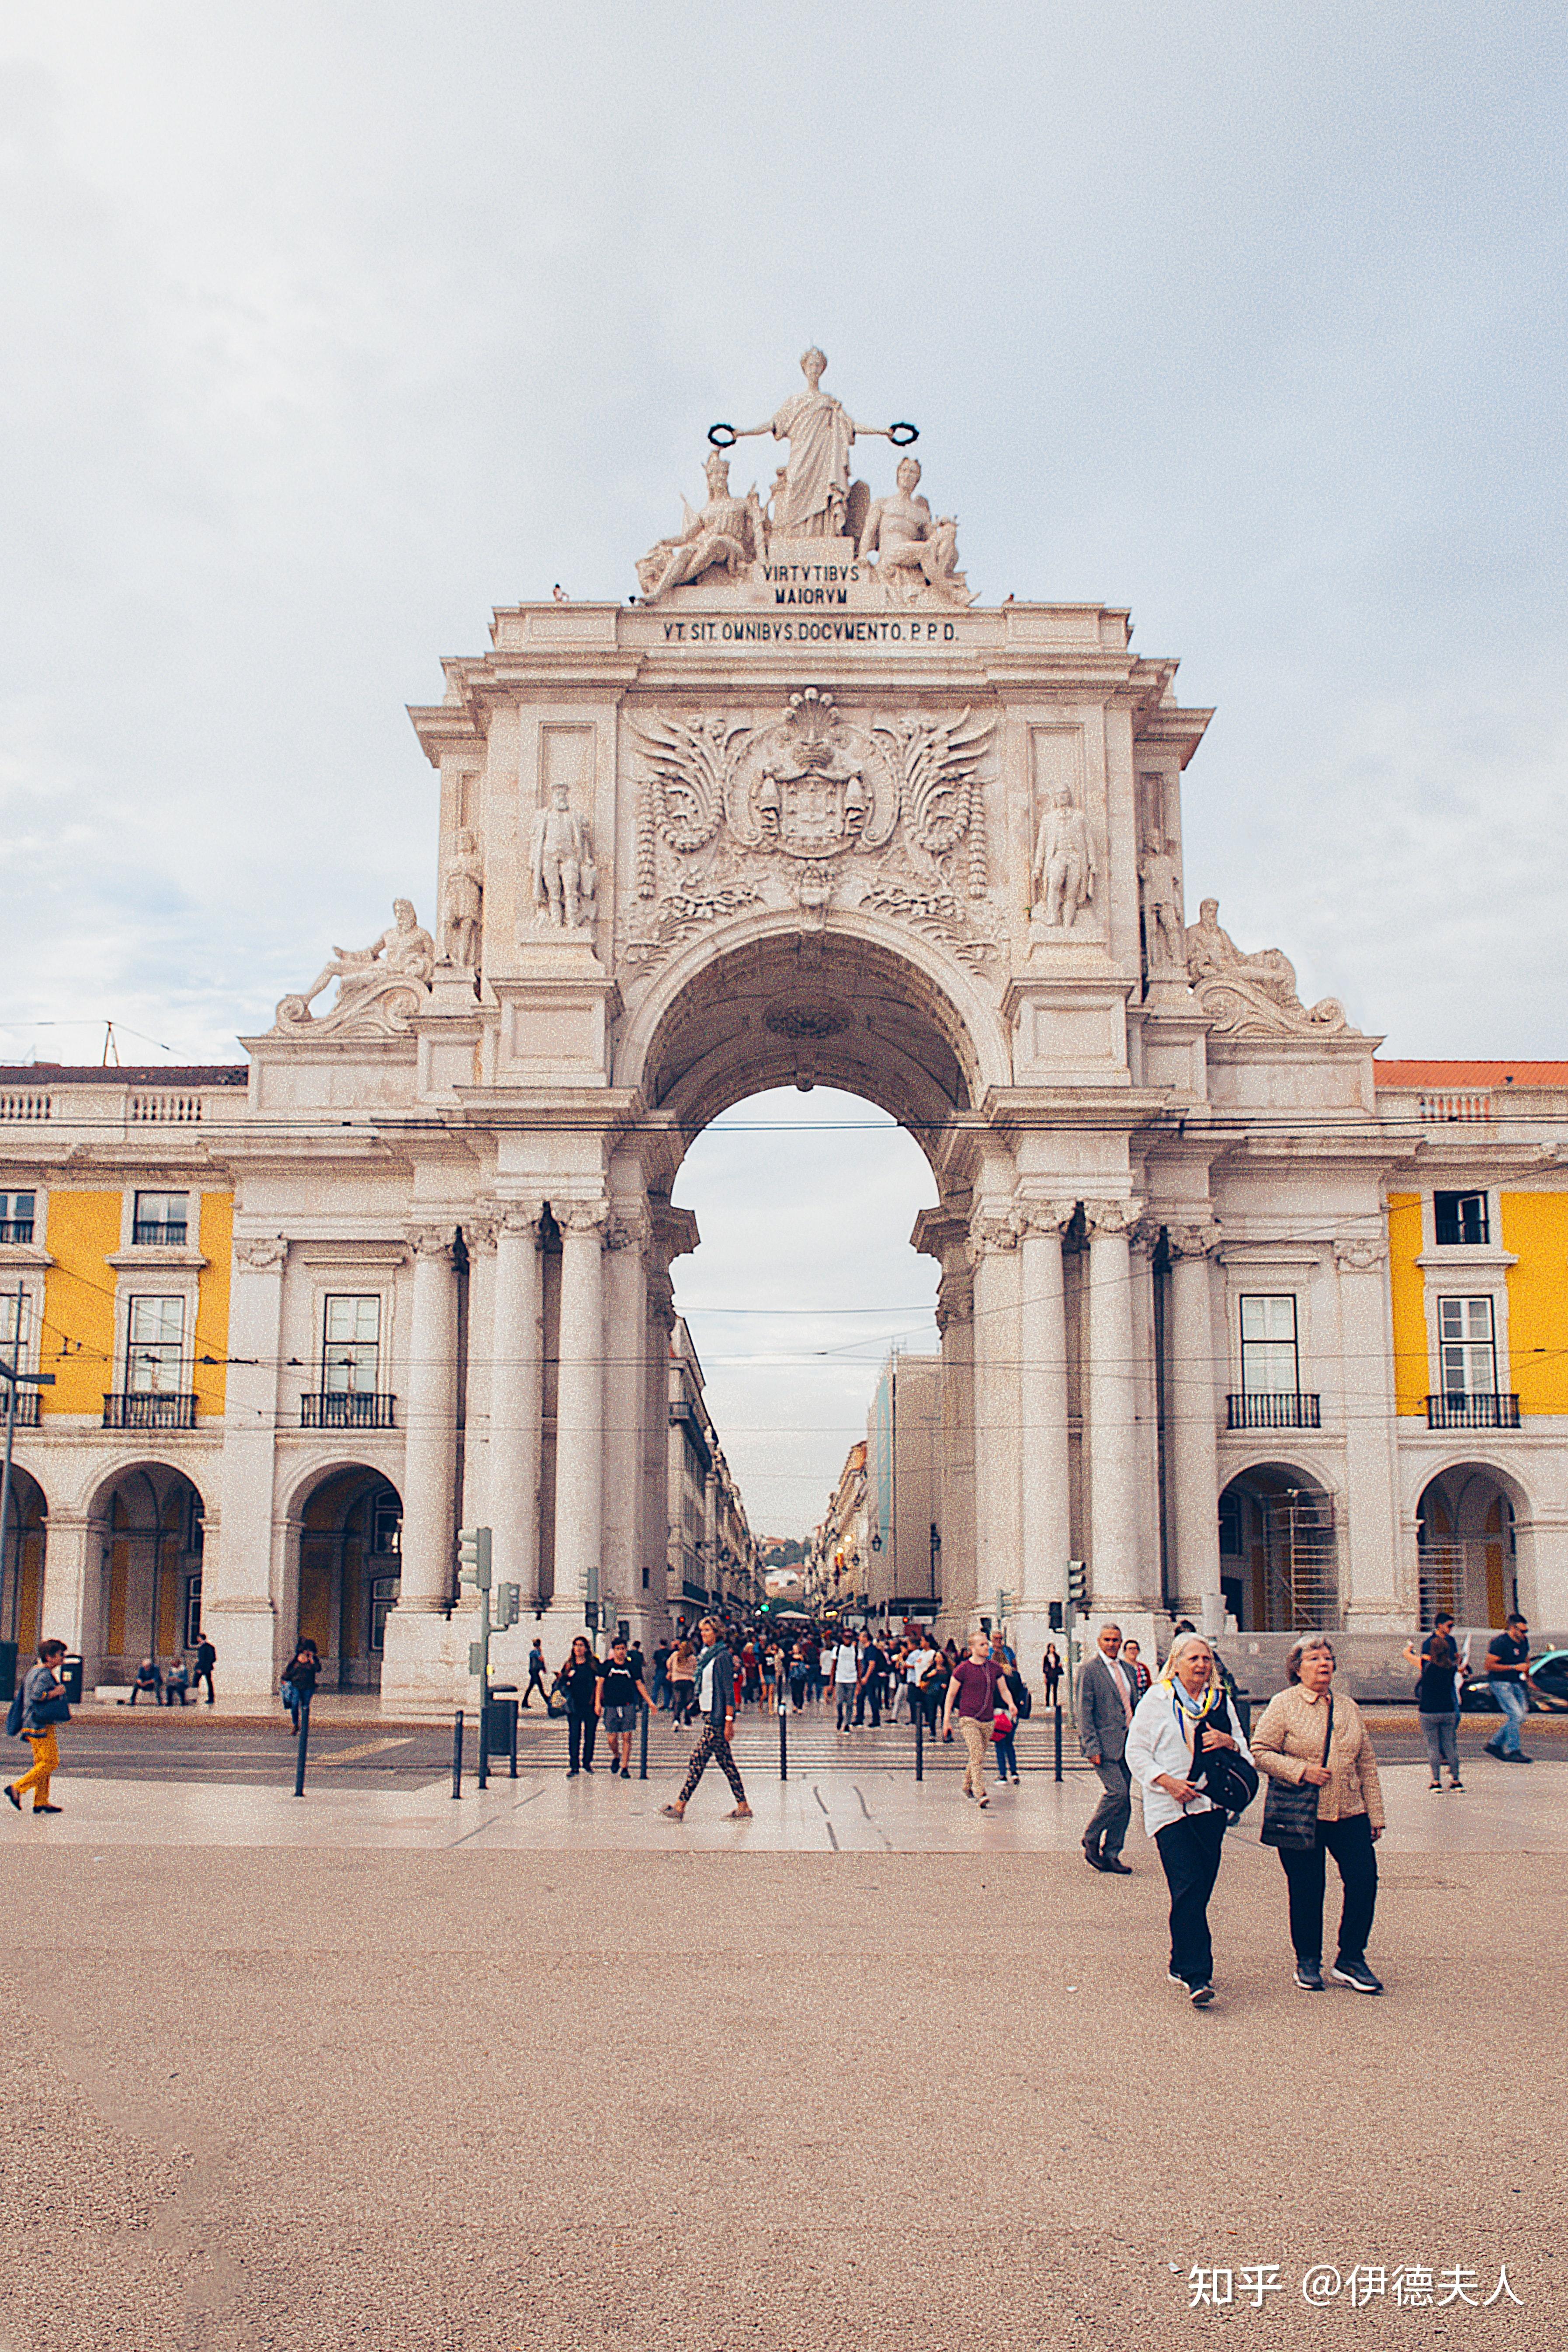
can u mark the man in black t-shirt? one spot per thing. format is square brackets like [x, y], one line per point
[1507, 1669]
[616, 1701]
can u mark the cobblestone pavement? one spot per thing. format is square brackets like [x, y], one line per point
[540, 2069]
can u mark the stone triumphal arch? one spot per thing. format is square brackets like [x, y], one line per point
[805, 811]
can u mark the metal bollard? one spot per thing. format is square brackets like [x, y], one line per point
[783, 1743]
[304, 1743]
[1058, 1712]
[642, 1746]
[920, 1737]
[457, 1754]
[484, 1737]
[512, 1747]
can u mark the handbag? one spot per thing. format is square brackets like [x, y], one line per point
[1230, 1783]
[50, 1710]
[1290, 1807]
[17, 1709]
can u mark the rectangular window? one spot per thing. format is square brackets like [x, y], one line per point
[1468, 1347]
[156, 1346]
[350, 1353]
[160, 1220]
[1268, 1359]
[382, 1601]
[1460, 1217]
[193, 1611]
[387, 1526]
[16, 1321]
[16, 1216]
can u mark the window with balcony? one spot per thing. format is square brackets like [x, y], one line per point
[160, 1222]
[156, 1346]
[1460, 1217]
[350, 1396]
[16, 1324]
[16, 1216]
[1271, 1395]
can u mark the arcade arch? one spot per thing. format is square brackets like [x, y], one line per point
[345, 1542]
[150, 1521]
[1466, 1544]
[1279, 1550]
[27, 1530]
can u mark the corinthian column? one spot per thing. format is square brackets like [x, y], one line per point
[1191, 1427]
[627, 1238]
[429, 1449]
[516, 1392]
[1115, 1579]
[580, 1403]
[1043, 1379]
[993, 1251]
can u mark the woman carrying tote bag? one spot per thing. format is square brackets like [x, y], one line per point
[1323, 1798]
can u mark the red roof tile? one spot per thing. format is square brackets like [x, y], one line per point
[1439, 1074]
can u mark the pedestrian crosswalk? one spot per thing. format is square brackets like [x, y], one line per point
[813, 1744]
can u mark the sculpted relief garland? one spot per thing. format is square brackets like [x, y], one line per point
[813, 810]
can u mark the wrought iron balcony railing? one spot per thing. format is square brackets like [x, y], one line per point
[1481, 1412]
[154, 1409]
[1269, 1409]
[348, 1409]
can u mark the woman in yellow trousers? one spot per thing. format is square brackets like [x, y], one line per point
[42, 1694]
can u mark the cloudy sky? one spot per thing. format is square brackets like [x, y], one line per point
[328, 327]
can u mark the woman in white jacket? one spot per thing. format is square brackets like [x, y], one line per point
[1183, 1716]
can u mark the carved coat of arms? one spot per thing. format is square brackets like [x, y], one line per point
[886, 815]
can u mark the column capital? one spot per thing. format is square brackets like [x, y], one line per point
[988, 1236]
[482, 1233]
[261, 1253]
[430, 1241]
[1199, 1237]
[628, 1229]
[1110, 1219]
[1037, 1219]
[517, 1218]
[581, 1216]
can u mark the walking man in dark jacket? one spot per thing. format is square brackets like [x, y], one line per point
[1107, 1696]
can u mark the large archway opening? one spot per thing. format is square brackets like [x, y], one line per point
[808, 1319]
[26, 1527]
[152, 1519]
[348, 1574]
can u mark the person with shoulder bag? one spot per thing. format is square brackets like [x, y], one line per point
[1324, 1797]
[1192, 1761]
[39, 1705]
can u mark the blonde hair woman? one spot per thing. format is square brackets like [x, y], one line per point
[1181, 1725]
[1308, 1732]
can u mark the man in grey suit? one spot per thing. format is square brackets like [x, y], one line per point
[1107, 1696]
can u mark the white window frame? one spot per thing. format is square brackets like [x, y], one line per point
[1466, 1341]
[169, 1192]
[329, 1298]
[10, 1192]
[1246, 1299]
[135, 1296]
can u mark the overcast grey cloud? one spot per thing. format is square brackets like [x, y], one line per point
[328, 327]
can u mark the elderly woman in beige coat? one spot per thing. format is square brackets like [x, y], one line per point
[1308, 1732]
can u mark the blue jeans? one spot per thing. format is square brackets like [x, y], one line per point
[1510, 1697]
[1006, 1758]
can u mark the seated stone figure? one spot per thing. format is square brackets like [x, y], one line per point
[913, 553]
[727, 536]
[398, 964]
[1250, 994]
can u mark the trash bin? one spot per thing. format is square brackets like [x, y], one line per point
[7, 1669]
[71, 1675]
[500, 1717]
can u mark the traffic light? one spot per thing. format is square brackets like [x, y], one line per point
[474, 1558]
[509, 1604]
[1078, 1584]
[1054, 1616]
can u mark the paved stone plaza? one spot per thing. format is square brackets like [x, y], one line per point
[541, 2069]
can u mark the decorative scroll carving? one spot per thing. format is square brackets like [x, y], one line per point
[954, 1300]
[814, 808]
[430, 1241]
[264, 1254]
[661, 1299]
[481, 1231]
[522, 1217]
[380, 988]
[1251, 995]
[1048, 1217]
[990, 1235]
[1358, 1255]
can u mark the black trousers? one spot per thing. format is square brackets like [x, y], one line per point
[1189, 1855]
[1306, 1873]
[582, 1723]
[536, 1683]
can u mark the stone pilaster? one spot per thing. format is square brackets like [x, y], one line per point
[1368, 1555]
[429, 1533]
[1191, 1427]
[993, 1253]
[628, 1236]
[580, 1406]
[1043, 1382]
[480, 1233]
[516, 1392]
[240, 1603]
